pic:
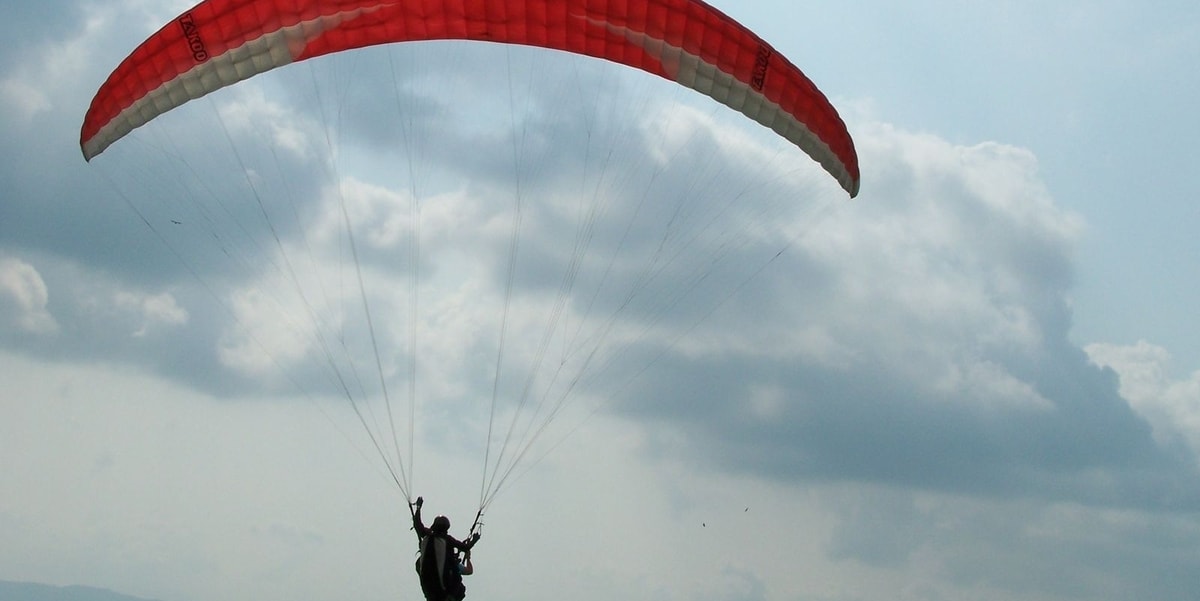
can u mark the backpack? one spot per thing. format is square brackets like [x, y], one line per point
[437, 567]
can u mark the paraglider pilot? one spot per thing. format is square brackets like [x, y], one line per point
[438, 563]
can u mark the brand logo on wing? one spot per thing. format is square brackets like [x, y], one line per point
[761, 63]
[191, 32]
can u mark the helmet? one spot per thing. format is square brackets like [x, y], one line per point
[441, 524]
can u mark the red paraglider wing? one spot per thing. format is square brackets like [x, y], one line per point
[221, 42]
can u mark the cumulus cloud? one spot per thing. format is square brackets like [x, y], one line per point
[24, 298]
[154, 310]
[251, 113]
[1171, 406]
[54, 64]
[942, 301]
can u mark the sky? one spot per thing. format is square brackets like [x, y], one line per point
[978, 380]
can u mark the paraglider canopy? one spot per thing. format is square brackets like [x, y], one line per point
[221, 42]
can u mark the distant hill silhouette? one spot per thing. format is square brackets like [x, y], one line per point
[26, 591]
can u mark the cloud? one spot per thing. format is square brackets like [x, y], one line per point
[23, 298]
[890, 379]
[942, 311]
[954, 547]
[155, 310]
[251, 113]
[23, 98]
[1171, 406]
